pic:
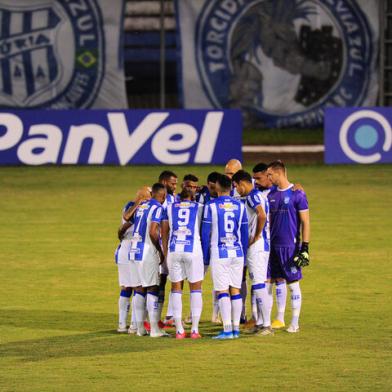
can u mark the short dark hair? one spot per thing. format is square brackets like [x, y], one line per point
[277, 165]
[190, 177]
[242, 175]
[224, 182]
[260, 167]
[186, 193]
[212, 177]
[165, 175]
[157, 187]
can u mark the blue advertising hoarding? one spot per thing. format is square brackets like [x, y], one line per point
[99, 137]
[358, 135]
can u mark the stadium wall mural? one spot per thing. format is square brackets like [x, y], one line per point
[61, 54]
[281, 61]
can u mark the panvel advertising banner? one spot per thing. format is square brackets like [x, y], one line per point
[84, 137]
[281, 61]
[61, 54]
[358, 135]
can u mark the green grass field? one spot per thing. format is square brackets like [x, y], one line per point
[59, 292]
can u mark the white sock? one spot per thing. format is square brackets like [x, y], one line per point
[281, 295]
[153, 311]
[133, 315]
[196, 308]
[270, 298]
[123, 308]
[215, 305]
[244, 293]
[161, 301]
[236, 309]
[140, 306]
[296, 301]
[225, 309]
[169, 311]
[254, 306]
[265, 307]
[258, 293]
[176, 301]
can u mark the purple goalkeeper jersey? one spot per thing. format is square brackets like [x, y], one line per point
[285, 222]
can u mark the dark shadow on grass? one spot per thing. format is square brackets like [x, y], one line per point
[100, 339]
[55, 319]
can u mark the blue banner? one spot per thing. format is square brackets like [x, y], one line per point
[281, 61]
[358, 135]
[98, 137]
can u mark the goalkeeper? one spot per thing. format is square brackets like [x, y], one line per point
[290, 233]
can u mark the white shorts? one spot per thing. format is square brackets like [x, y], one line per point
[124, 275]
[257, 263]
[121, 254]
[185, 266]
[148, 269]
[227, 273]
[163, 269]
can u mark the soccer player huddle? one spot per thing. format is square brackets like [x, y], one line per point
[237, 225]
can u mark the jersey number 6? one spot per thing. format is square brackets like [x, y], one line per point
[228, 221]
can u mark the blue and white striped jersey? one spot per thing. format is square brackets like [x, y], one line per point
[122, 250]
[147, 212]
[253, 199]
[184, 219]
[204, 196]
[169, 199]
[224, 229]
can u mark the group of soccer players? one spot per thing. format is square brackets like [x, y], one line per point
[236, 225]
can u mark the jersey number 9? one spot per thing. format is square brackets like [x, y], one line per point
[183, 216]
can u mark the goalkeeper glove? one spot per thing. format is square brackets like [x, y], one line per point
[301, 259]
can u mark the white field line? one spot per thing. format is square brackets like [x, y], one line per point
[288, 149]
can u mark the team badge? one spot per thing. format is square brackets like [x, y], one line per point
[283, 61]
[51, 55]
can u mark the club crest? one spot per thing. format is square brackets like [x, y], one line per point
[283, 61]
[51, 55]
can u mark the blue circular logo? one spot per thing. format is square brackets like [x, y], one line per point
[366, 136]
[52, 54]
[283, 61]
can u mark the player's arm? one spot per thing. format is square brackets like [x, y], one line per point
[305, 225]
[206, 227]
[122, 229]
[244, 232]
[165, 234]
[156, 219]
[261, 219]
[302, 259]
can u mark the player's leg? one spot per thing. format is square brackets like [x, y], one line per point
[176, 297]
[296, 301]
[133, 327]
[177, 276]
[221, 281]
[292, 274]
[194, 269]
[215, 308]
[124, 298]
[278, 276]
[150, 279]
[244, 294]
[140, 306]
[265, 304]
[235, 276]
[123, 308]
